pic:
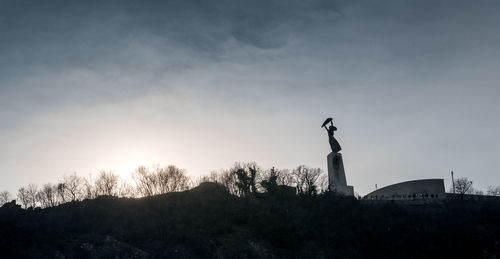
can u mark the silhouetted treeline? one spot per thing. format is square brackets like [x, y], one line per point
[463, 185]
[246, 179]
[146, 182]
[243, 179]
[210, 222]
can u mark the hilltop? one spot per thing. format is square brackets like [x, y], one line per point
[209, 222]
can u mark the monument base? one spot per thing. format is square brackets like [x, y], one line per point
[336, 175]
[344, 190]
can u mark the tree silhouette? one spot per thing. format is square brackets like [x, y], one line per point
[28, 195]
[106, 183]
[145, 181]
[270, 184]
[493, 190]
[306, 179]
[225, 178]
[172, 179]
[463, 186]
[4, 197]
[160, 180]
[47, 196]
[246, 180]
[73, 186]
[88, 188]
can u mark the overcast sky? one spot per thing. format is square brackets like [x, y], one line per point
[412, 86]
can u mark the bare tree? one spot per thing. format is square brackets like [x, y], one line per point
[47, 196]
[146, 181]
[106, 183]
[493, 190]
[212, 177]
[62, 194]
[162, 180]
[70, 188]
[28, 195]
[126, 190]
[306, 179]
[32, 190]
[323, 182]
[22, 196]
[227, 179]
[223, 177]
[463, 186]
[4, 197]
[284, 177]
[158, 180]
[172, 179]
[73, 187]
[478, 192]
[88, 189]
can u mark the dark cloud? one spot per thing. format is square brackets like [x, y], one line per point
[87, 33]
[43, 43]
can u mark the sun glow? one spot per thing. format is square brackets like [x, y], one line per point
[125, 163]
[126, 170]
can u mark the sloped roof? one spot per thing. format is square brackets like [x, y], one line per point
[430, 186]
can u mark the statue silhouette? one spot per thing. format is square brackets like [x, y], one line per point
[334, 144]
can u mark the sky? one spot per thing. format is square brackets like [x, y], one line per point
[412, 87]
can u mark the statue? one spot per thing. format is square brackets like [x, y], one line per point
[334, 144]
[336, 174]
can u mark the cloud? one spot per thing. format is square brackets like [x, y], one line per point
[62, 52]
[392, 73]
[57, 33]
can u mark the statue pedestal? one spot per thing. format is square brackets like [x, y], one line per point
[336, 175]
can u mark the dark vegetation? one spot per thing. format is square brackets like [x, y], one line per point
[242, 179]
[209, 222]
[243, 212]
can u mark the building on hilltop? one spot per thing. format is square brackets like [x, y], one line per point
[423, 189]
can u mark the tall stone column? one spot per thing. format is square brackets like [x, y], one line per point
[336, 175]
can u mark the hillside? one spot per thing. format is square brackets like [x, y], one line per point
[208, 222]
